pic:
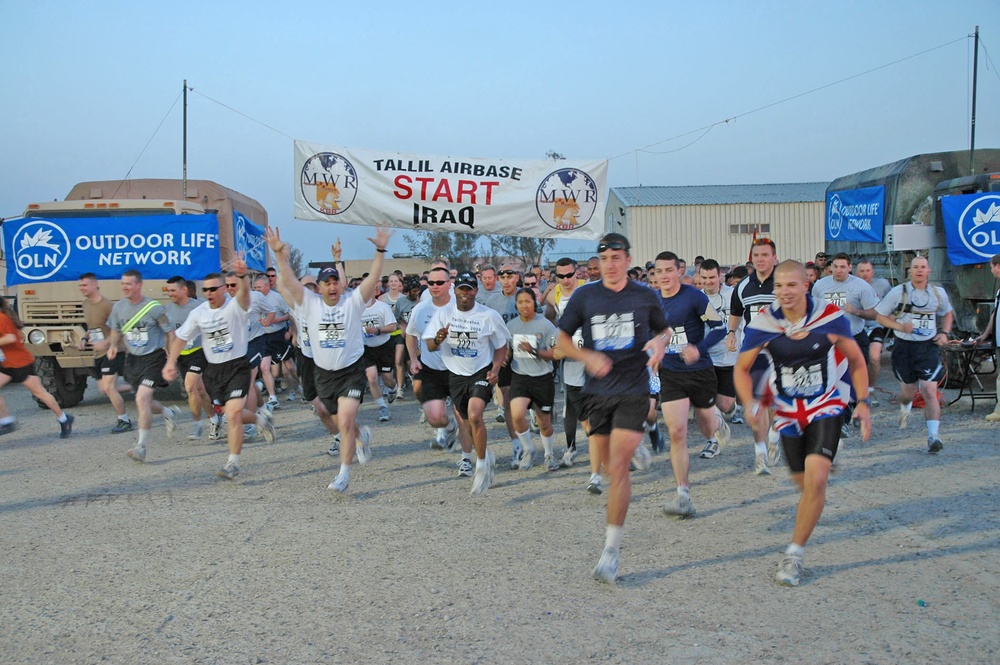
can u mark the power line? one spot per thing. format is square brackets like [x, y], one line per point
[989, 60]
[127, 174]
[252, 119]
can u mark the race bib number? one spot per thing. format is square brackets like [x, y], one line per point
[96, 335]
[654, 382]
[220, 341]
[578, 338]
[804, 381]
[304, 337]
[678, 340]
[532, 341]
[137, 338]
[370, 323]
[463, 344]
[924, 325]
[838, 298]
[613, 332]
[331, 336]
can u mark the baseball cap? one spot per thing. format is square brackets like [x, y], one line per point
[466, 279]
[327, 273]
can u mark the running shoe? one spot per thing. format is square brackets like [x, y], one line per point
[228, 472]
[249, 431]
[340, 483]
[138, 453]
[122, 426]
[642, 458]
[7, 428]
[170, 419]
[364, 445]
[607, 567]
[710, 450]
[526, 460]
[760, 465]
[391, 395]
[272, 403]
[291, 396]
[265, 424]
[66, 428]
[934, 445]
[655, 438]
[550, 463]
[845, 431]
[437, 443]
[904, 417]
[567, 458]
[501, 416]
[724, 433]
[679, 506]
[383, 414]
[451, 434]
[465, 468]
[423, 417]
[594, 484]
[214, 430]
[334, 450]
[789, 570]
[534, 421]
[773, 447]
[483, 478]
[196, 431]
[993, 416]
[737, 418]
[515, 456]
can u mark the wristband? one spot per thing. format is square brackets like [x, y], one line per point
[731, 332]
[380, 251]
[243, 276]
[867, 400]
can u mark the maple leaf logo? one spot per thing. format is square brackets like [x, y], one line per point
[42, 238]
[987, 216]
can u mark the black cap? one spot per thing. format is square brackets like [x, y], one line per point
[327, 273]
[466, 279]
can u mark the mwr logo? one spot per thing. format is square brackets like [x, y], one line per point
[979, 226]
[834, 216]
[329, 183]
[40, 249]
[566, 199]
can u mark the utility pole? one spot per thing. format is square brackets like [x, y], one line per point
[184, 179]
[975, 71]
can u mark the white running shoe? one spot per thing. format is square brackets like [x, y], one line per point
[228, 472]
[723, 434]
[550, 463]
[214, 430]
[465, 468]
[534, 421]
[526, 460]
[423, 417]
[789, 570]
[265, 425]
[272, 403]
[607, 567]
[383, 414]
[340, 483]
[904, 417]
[483, 478]
[710, 450]
[643, 459]
[515, 456]
[197, 428]
[291, 396]
[169, 419]
[365, 445]
[760, 465]
[567, 458]
[137, 453]
[679, 506]
[451, 434]
[501, 416]
[737, 417]
[594, 484]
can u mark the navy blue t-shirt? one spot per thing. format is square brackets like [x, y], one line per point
[685, 310]
[618, 324]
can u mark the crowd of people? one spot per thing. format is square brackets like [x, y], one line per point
[790, 349]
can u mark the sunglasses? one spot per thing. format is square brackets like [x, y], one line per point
[436, 282]
[530, 284]
[765, 241]
[211, 289]
[566, 276]
[231, 286]
[506, 273]
[613, 245]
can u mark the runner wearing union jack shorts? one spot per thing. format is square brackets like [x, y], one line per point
[811, 352]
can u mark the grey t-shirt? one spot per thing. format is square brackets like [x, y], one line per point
[149, 333]
[402, 308]
[273, 302]
[504, 305]
[178, 314]
[541, 335]
[854, 291]
[921, 308]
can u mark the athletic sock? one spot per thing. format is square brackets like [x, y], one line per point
[683, 491]
[7, 421]
[345, 470]
[932, 428]
[380, 401]
[234, 459]
[525, 439]
[215, 419]
[124, 418]
[143, 434]
[613, 538]
[62, 418]
[795, 550]
[760, 448]
[547, 444]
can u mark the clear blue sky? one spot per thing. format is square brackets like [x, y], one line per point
[86, 84]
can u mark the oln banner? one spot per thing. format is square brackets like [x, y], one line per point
[417, 191]
[856, 214]
[40, 249]
[971, 227]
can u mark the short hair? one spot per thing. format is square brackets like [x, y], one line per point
[176, 279]
[566, 261]
[765, 241]
[261, 277]
[669, 256]
[841, 256]
[869, 261]
[441, 268]
[133, 273]
[739, 272]
[710, 264]
[487, 266]
[88, 275]
[444, 262]
[191, 288]
[215, 275]
[995, 261]
[593, 258]
[271, 269]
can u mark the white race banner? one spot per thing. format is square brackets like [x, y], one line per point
[537, 198]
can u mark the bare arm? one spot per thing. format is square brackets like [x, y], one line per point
[370, 283]
[290, 288]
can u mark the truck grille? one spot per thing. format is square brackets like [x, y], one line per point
[53, 313]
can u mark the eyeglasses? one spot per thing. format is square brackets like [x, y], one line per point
[507, 273]
[436, 282]
[211, 289]
[613, 245]
[566, 276]
[231, 286]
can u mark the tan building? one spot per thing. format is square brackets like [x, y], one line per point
[718, 221]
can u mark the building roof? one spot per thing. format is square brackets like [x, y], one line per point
[792, 192]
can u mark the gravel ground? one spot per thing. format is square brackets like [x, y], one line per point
[106, 560]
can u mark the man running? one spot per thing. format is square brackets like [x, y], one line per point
[807, 343]
[623, 333]
[719, 297]
[877, 335]
[192, 360]
[96, 310]
[504, 304]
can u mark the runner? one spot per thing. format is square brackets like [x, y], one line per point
[877, 335]
[377, 322]
[720, 296]
[920, 315]
[567, 281]
[192, 358]
[473, 343]
[144, 325]
[222, 322]
[17, 365]
[275, 324]
[807, 343]
[504, 304]
[96, 310]
[992, 333]
[623, 333]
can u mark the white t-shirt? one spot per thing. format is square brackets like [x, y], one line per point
[378, 315]
[421, 315]
[305, 344]
[720, 353]
[473, 337]
[223, 331]
[334, 332]
[573, 370]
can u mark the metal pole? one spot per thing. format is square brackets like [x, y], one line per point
[972, 139]
[185, 151]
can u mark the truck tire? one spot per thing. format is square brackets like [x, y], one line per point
[66, 386]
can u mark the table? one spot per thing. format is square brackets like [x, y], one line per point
[974, 362]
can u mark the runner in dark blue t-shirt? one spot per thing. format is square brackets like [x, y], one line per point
[623, 325]
[687, 376]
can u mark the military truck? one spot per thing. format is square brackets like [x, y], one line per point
[913, 188]
[52, 312]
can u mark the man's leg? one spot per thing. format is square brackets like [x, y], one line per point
[932, 414]
[143, 401]
[267, 377]
[347, 413]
